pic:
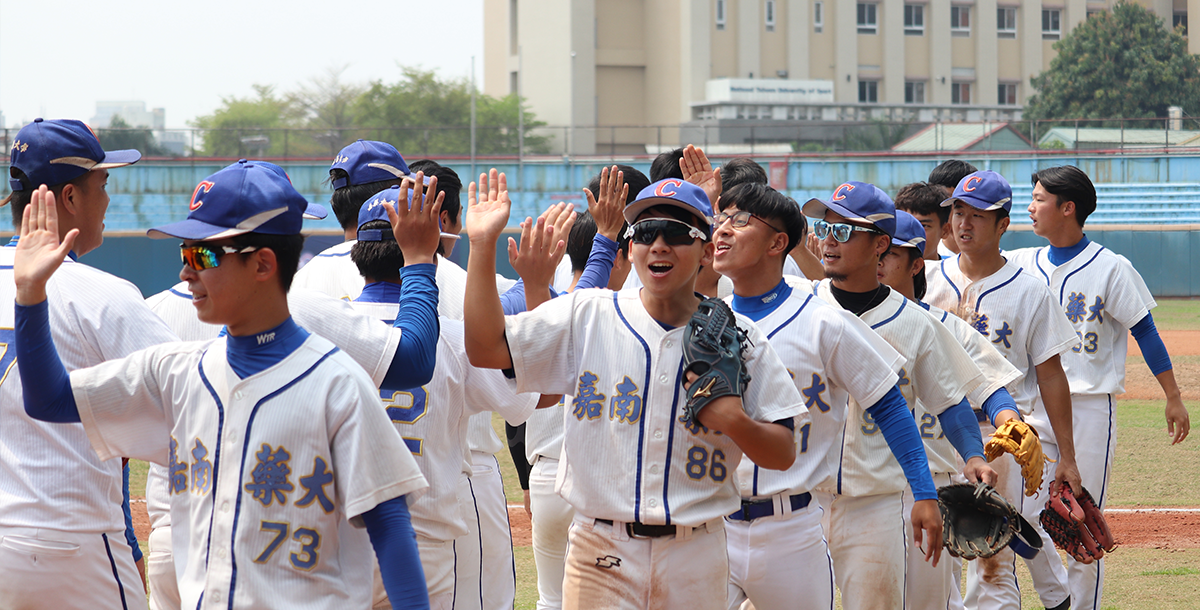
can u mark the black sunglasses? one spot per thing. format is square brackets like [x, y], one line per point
[674, 232]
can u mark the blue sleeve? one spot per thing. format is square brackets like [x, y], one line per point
[412, 364]
[962, 430]
[599, 264]
[997, 402]
[130, 536]
[44, 380]
[389, 526]
[513, 299]
[1151, 345]
[896, 423]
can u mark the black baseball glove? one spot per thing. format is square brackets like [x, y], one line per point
[977, 520]
[713, 349]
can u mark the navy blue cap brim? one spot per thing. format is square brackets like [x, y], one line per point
[815, 208]
[118, 158]
[193, 229]
[978, 204]
[903, 244]
[315, 211]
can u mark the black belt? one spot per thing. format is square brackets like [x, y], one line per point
[756, 509]
[981, 417]
[641, 530]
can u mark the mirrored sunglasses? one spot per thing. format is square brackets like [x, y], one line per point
[841, 231]
[207, 257]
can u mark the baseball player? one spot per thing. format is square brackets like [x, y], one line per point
[432, 419]
[60, 505]
[924, 201]
[1017, 313]
[1104, 298]
[866, 502]
[947, 175]
[649, 491]
[778, 554]
[272, 399]
[902, 268]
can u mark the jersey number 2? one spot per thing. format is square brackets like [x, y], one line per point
[406, 407]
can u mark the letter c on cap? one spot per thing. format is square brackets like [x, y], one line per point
[838, 195]
[971, 182]
[201, 190]
[662, 191]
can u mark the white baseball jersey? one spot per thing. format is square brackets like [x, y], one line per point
[1017, 313]
[50, 478]
[266, 473]
[331, 272]
[626, 455]
[830, 356]
[936, 370]
[1102, 296]
[432, 420]
[544, 431]
[997, 373]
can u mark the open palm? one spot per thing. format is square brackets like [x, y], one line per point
[39, 251]
[487, 206]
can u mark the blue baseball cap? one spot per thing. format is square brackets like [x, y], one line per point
[372, 210]
[985, 190]
[857, 201]
[367, 161]
[909, 232]
[60, 150]
[245, 197]
[673, 192]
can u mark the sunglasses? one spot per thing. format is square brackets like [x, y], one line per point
[841, 231]
[674, 232]
[741, 219]
[207, 257]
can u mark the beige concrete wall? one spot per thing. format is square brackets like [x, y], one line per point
[619, 24]
[822, 58]
[983, 30]
[773, 46]
[1029, 35]
[723, 44]
[494, 63]
[962, 49]
[891, 37]
[916, 56]
[621, 94]
[1008, 60]
[547, 59]
[797, 32]
[842, 25]
[1193, 8]
[937, 27]
[749, 31]
[693, 45]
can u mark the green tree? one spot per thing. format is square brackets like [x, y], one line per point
[1118, 64]
[120, 136]
[251, 126]
[327, 108]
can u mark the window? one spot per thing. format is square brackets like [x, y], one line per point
[818, 16]
[914, 92]
[868, 91]
[720, 14]
[960, 93]
[960, 20]
[1179, 20]
[1006, 22]
[770, 14]
[1051, 24]
[914, 19]
[1006, 94]
[866, 18]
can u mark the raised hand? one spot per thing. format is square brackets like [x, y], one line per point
[416, 225]
[609, 210]
[697, 170]
[543, 243]
[39, 252]
[487, 208]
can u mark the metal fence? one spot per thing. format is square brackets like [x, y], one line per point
[720, 137]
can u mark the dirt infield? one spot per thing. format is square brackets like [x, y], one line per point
[1184, 346]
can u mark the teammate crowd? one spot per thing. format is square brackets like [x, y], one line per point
[309, 428]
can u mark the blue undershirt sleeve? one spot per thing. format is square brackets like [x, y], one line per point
[412, 364]
[896, 423]
[130, 535]
[1151, 344]
[389, 526]
[513, 299]
[962, 430]
[599, 264]
[997, 402]
[45, 384]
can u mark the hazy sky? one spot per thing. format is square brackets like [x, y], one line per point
[59, 57]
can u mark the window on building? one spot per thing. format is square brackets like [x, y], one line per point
[1180, 21]
[1051, 24]
[960, 93]
[1006, 94]
[866, 18]
[960, 20]
[1006, 22]
[720, 16]
[769, 12]
[914, 19]
[914, 92]
[868, 91]
[818, 16]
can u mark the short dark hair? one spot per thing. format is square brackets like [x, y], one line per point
[378, 260]
[742, 170]
[681, 215]
[666, 166]
[924, 198]
[448, 182]
[18, 200]
[920, 284]
[637, 181]
[579, 242]
[287, 250]
[347, 200]
[1069, 183]
[771, 205]
[951, 172]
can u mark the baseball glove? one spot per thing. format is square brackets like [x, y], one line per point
[977, 521]
[1077, 526]
[712, 349]
[1021, 440]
